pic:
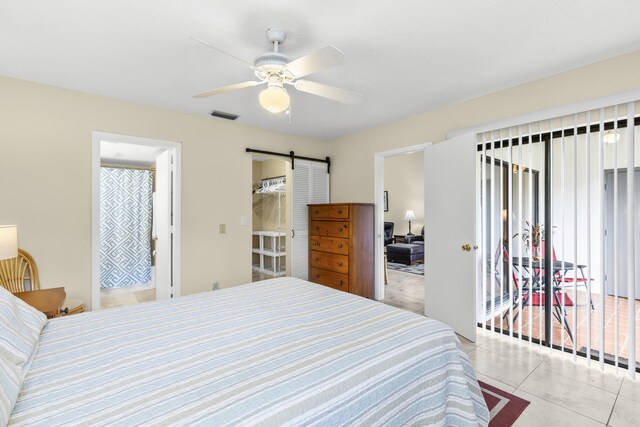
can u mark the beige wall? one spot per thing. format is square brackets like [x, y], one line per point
[45, 175]
[356, 184]
[403, 179]
[45, 165]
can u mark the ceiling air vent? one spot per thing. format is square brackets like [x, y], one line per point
[224, 115]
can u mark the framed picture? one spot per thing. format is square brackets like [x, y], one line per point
[385, 201]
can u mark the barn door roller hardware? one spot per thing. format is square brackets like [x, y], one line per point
[292, 156]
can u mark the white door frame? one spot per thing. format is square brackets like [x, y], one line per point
[97, 138]
[379, 209]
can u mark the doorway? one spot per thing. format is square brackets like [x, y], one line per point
[403, 240]
[450, 230]
[270, 217]
[282, 192]
[136, 220]
[399, 194]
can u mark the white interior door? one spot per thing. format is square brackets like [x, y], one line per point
[309, 184]
[319, 183]
[450, 219]
[163, 226]
[300, 196]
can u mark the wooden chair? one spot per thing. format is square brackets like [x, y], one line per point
[20, 274]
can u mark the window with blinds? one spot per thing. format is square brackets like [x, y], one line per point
[559, 222]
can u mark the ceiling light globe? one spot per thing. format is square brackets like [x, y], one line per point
[274, 99]
[611, 137]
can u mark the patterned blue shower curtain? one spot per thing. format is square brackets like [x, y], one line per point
[126, 209]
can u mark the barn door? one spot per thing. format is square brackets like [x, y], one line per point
[309, 184]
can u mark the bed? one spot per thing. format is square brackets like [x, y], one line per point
[281, 352]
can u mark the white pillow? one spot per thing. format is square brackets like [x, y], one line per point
[20, 327]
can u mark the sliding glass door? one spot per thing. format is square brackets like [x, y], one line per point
[561, 233]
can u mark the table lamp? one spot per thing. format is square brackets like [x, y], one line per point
[409, 216]
[8, 241]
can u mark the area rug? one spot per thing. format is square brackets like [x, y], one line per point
[413, 269]
[504, 408]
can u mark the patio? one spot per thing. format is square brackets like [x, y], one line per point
[533, 317]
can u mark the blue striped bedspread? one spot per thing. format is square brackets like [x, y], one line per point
[281, 352]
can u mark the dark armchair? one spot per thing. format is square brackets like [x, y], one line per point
[388, 233]
[415, 239]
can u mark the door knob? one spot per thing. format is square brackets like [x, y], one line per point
[467, 247]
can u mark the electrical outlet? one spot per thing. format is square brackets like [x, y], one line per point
[215, 286]
[223, 228]
[243, 220]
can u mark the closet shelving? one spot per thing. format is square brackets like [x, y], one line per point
[270, 245]
[271, 253]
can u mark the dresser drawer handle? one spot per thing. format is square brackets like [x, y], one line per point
[339, 245]
[317, 259]
[339, 282]
[340, 230]
[339, 211]
[317, 275]
[317, 212]
[339, 263]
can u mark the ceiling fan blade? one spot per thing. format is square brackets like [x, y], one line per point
[317, 61]
[224, 89]
[223, 52]
[330, 92]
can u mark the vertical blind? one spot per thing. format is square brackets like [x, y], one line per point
[559, 225]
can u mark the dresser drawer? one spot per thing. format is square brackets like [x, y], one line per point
[330, 228]
[334, 245]
[327, 261]
[329, 278]
[329, 212]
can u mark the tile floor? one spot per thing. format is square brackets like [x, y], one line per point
[405, 290]
[584, 313]
[256, 276]
[562, 392]
[118, 297]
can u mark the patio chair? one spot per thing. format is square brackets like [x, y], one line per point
[533, 293]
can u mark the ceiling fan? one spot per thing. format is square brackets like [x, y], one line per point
[277, 70]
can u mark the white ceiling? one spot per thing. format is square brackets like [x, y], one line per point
[405, 56]
[119, 153]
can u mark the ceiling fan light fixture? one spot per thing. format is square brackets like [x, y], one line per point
[274, 99]
[611, 137]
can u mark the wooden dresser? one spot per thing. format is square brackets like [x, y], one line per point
[341, 237]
